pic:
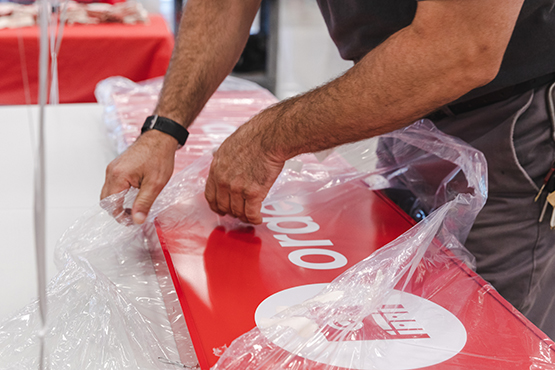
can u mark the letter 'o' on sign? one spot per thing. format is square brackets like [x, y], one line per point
[282, 208]
[296, 257]
[291, 224]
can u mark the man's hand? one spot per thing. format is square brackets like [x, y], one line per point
[147, 165]
[241, 175]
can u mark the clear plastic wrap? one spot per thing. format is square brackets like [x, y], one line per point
[113, 306]
[110, 306]
[127, 104]
[105, 310]
[449, 317]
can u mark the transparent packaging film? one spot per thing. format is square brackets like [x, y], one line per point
[415, 303]
[127, 104]
[112, 305]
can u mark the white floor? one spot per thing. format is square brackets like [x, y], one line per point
[77, 153]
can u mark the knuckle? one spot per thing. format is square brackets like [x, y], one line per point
[157, 186]
[250, 193]
[222, 185]
[112, 170]
[154, 183]
[236, 189]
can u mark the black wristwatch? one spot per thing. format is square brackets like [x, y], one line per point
[166, 126]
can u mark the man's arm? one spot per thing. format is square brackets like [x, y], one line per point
[452, 47]
[211, 36]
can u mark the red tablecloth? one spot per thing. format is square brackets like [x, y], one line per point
[88, 54]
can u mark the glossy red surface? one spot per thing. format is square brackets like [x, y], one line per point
[223, 274]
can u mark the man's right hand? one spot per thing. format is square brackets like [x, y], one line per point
[146, 165]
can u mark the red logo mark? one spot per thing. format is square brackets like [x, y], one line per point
[388, 322]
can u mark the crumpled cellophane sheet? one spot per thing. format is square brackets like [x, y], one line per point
[107, 305]
[107, 309]
[127, 104]
[327, 331]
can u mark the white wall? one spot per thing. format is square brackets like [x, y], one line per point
[307, 57]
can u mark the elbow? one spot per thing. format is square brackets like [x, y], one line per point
[478, 65]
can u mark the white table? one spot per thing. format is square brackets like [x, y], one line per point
[77, 153]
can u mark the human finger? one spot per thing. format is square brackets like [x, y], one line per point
[144, 200]
[252, 210]
[114, 205]
[223, 199]
[210, 195]
[237, 206]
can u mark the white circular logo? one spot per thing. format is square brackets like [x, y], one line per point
[406, 332]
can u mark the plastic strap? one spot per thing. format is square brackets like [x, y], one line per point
[166, 126]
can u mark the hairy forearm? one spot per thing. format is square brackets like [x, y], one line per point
[211, 37]
[414, 72]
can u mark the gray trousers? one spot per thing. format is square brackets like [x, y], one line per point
[514, 252]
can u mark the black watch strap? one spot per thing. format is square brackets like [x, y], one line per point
[167, 126]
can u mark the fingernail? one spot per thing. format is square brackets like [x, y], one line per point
[139, 218]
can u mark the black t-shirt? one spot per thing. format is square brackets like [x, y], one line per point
[358, 26]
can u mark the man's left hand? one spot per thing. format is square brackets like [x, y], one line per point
[241, 175]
